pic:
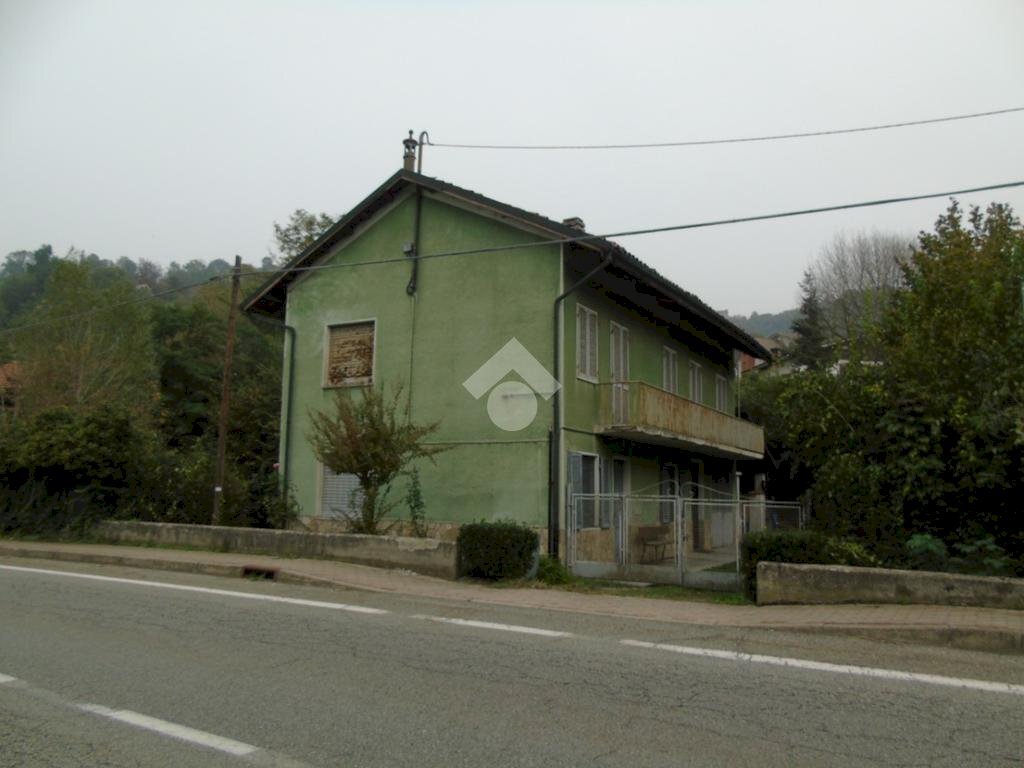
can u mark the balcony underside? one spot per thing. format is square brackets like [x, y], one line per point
[655, 436]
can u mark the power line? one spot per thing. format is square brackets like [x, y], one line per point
[649, 231]
[739, 140]
[518, 246]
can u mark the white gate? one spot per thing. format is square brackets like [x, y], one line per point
[625, 537]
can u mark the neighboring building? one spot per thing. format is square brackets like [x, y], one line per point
[648, 371]
[777, 344]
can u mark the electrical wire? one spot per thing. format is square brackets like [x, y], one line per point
[635, 232]
[739, 140]
[516, 246]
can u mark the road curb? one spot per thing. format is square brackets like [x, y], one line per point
[961, 638]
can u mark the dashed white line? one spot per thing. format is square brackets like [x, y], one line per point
[7, 679]
[202, 590]
[174, 730]
[493, 625]
[843, 669]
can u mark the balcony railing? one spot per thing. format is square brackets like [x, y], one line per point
[639, 411]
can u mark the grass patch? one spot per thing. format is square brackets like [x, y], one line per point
[618, 588]
[724, 568]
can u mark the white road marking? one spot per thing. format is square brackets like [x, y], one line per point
[175, 731]
[493, 625]
[202, 590]
[843, 669]
[7, 679]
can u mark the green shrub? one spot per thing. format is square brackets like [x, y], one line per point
[982, 557]
[780, 547]
[847, 552]
[417, 509]
[806, 547]
[551, 570]
[925, 552]
[498, 550]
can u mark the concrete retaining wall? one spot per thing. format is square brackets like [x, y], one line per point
[427, 556]
[822, 584]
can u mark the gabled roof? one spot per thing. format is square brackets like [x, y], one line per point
[269, 298]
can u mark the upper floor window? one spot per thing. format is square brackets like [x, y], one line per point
[586, 343]
[722, 393]
[696, 382]
[349, 355]
[669, 370]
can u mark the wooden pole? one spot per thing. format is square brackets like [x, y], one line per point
[225, 395]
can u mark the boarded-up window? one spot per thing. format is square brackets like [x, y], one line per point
[349, 355]
[340, 497]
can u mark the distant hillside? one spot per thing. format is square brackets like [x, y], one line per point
[765, 324]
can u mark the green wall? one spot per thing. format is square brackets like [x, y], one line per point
[646, 341]
[466, 308]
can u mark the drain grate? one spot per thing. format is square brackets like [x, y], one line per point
[258, 572]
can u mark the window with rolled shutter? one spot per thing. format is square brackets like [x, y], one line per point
[349, 355]
[340, 496]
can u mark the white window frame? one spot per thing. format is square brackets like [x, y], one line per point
[721, 393]
[589, 336]
[327, 354]
[670, 370]
[696, 382]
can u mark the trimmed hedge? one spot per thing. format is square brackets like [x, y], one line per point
[499, 550]
[807, 547]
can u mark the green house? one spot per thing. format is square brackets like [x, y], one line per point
[564, 372]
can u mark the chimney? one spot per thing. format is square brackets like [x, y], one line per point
[409, 158]
[575, 222]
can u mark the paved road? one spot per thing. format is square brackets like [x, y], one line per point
[118, 673]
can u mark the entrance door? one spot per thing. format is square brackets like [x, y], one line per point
[620, 373]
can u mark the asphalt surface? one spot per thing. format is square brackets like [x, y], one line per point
[107, 673]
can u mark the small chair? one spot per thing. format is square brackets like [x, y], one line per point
[654, 538]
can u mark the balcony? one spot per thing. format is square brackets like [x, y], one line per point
[647, 414]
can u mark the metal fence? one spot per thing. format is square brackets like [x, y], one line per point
[667, 538]
[761, 515]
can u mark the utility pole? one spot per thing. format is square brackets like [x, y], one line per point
[225, 394]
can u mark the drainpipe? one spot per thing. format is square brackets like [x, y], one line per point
[286, 421]
[555, 468]
[413, 251]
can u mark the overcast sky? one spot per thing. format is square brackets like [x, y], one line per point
[182, 130]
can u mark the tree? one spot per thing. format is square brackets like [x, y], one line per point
[854, 280]
[302, 229]
[810, 349]
[366, 437]
[23, 279]
[85, 346]
[931, 441]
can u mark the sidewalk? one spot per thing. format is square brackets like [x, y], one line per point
[970, 628]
